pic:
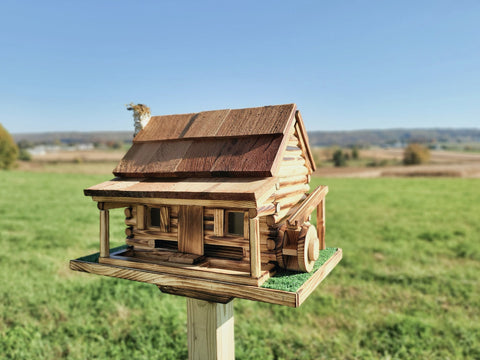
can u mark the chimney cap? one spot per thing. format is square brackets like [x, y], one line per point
[141, 116]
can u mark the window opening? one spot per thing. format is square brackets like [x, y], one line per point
[235, 224]
[155, 217]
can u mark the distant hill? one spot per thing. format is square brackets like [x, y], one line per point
[390, 137]
[393, 137]
[75, 137]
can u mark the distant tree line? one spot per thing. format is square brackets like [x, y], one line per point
[413, 154]
[393, 137]
[8, 149]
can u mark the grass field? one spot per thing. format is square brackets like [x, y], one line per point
[407, 288]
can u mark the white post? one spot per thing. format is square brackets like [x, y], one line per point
[210, 330]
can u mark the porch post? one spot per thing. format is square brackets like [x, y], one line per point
[321, 223]
[104, 233]
[255, 258]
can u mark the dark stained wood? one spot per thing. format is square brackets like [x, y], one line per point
[226, 143]
[266, 120]
[151, 158]
[164, 219]
[201, 156]
[196, 294]
[256, 121]
[164, 127]
[190, 229]
[206, 124]
[169, 256]
[245, 156]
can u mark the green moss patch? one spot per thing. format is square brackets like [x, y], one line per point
[291, 281]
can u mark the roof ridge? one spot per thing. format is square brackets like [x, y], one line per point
[226, 109]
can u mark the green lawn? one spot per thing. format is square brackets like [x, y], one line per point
[408, 286]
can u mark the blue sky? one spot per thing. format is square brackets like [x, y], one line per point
[72, 66]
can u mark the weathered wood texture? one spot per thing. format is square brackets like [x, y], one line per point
[308, 248]
[219, 222]
[167, 256]
[242, 143]
[213, 287]
[145, 244]
[109, 206]
[287, 205]
[104, 233]
[312, 283]
[244, 157]
[195, 294]
[190, 230]
[154, 235]
[321, 225]
[216, 243]
[288, 191]
[140, 217]
[255, 258]
[210, 330]
[227, 189]
[164, 219]
[307, 207]
[205, 269]
[247, 204]
[266, 120]
[303, 139]
[292, 180]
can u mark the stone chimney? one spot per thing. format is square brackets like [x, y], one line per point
[141, 116]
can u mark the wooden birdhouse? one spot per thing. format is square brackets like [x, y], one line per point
[215, 204]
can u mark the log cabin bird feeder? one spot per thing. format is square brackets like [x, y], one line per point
[216, 207]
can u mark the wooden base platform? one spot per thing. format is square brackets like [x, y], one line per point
[195, 284]
[205, 268]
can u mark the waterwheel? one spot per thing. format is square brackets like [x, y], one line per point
[301, 248]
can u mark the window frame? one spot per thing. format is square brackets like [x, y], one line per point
[161, 228]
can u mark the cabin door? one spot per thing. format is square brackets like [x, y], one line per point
[190, 229]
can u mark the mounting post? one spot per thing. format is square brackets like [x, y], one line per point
[210, 330]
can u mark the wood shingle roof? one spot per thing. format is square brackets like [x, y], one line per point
[221, 143]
